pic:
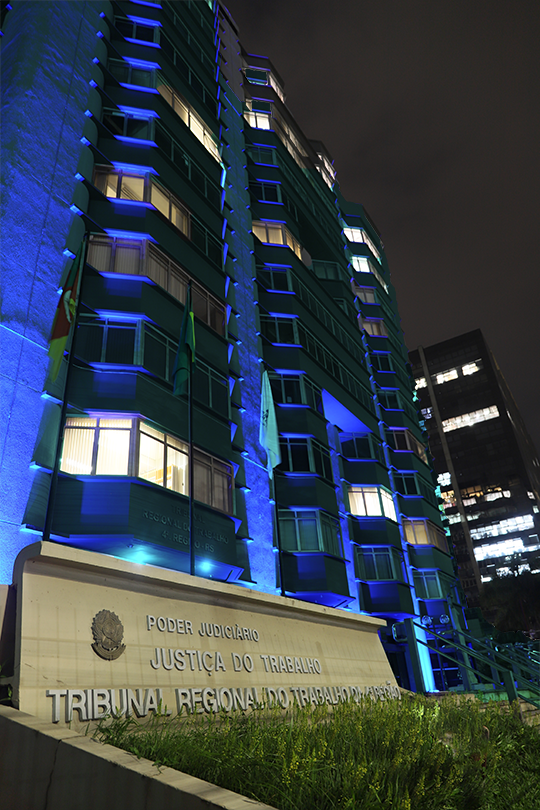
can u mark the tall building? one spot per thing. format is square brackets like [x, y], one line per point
[486, 464]
[147, 132]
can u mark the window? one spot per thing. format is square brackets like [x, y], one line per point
[471, 368]
[428, 585]
[446, 376]
[382, 362]
[185, 111]
[504, 548]
[424, 533]
[128, 74]
[273, 278]
[274, 233]
[331, 271]
[403, 440]
[132, 447]
[406, 483]
[258, 120]
[326, 170]
[296, 390]
[266, 192]
[359, 235]
[263, 155]
[310, 530]
[183, 63]
[362, 265]
[172, 209]
[379, 563]
[139, 257]
[264, 77]
[365, 294]
[389, 400]
[444, 479]
[279, 331]
[371, 502]
[361, 445]
[374, 327]
[120, 185]
[305, 455]
[507, 526]
[420, 383]
[468, 419]
[129, 125]
[139, 32]
[427, 413]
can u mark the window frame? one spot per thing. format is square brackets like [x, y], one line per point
[378, 490]
[295, 516]
[395, 561]
[432, 534]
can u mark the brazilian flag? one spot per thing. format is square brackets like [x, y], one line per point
[185, 356]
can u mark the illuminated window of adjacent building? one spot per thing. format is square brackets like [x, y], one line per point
[376, 563]
[427, 413]
[449, 499]
[362, 265]
[371, 502]
[444, 479]
[310, 530]
[503, 548]
[275, 233]
[419, 532]
[420, 383]
[140, 257]
[403, 440]
[514, 524]
[373, 326]
[305, 455]
[100, 446]
[530, 495]
[428, 585]
[471, 368]
[360, 235]
[194, 122]
[292, 389]
[468, 419]
[446, 376]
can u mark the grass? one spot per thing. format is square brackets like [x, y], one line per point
[410, 755]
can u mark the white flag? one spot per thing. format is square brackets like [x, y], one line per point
[268, 431]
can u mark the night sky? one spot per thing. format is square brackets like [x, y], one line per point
[430, 109]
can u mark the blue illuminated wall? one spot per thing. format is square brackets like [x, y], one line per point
[45, 77]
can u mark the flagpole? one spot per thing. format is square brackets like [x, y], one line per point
[63, 411]
[190, 443]
[278, 539]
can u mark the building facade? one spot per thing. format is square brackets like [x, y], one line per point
[486, 464]
[146, 131]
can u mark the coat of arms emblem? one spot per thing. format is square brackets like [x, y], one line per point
[108, 633]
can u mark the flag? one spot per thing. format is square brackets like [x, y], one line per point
[268, 431]
[185, 356]
[65, 313]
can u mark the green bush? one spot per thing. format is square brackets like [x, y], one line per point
[415, 754]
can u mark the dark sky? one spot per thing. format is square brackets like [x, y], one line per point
[430, 109]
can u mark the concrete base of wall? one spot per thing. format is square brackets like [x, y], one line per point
[46, 767]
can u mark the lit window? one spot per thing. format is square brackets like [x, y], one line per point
[427, 413]
[274, 233]
[362, 265]
[120, 185]
[376, 563]
[360, 235]
[171, 208]
[420, 383]
[471, 368]
[507, 526]
[469, 501]
[131, 447]
[446, 376]
[424, 533]
[468, 419]
[311, 530]
[449, 499]
[326, 170]
[139, 257]
[185, 111]
[494, 495]
[258, 120]
[531, 495]
[371, 502]
[374, 327]
[444, 479]
[502, 549]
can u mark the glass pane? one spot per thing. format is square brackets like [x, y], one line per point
[196, 128]
[259, 231]
[155, 359]
[287, 530]
[145, 33]
[81, 421]
[221, 499]
[199, 301]
[275, 235]
[99, 255]
[132, 188]
[291, 388]
[157, 434]
[126, 259]
[420, 531]
[368, 564]
[120, 344]
[388, 505]
[217, 318]
[373, 505]
[115, 423]
[356, 502]
[409, 532]
[179, 218]
[160, 200]
[384, 565]
[181, 110]
[166, 93]
[151, 459]
[77, 450]
[307, 529]
[88, 341]
[299, 455]
[141, 77]
[202, 482]
[137, 127]
[157, 269]
[177, 471]
[113, 452]
[177, 286]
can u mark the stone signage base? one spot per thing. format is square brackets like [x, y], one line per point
[95, 634]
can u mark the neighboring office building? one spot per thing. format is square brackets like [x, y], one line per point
[485, 461]
[157, 134]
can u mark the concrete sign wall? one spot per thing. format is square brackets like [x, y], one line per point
[95, 635]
